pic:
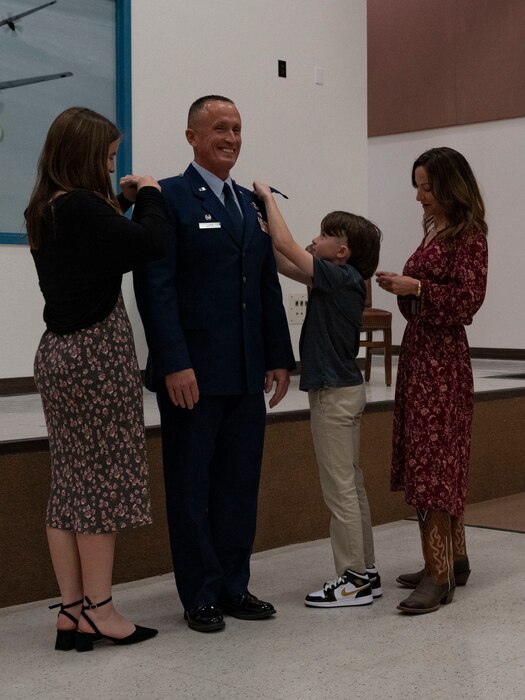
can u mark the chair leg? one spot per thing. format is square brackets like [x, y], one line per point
[387, 335]
[368, 359]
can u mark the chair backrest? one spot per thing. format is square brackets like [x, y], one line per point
[368, 301]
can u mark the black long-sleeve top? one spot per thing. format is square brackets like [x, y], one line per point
[87, 247]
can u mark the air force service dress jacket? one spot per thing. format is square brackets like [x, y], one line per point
[214, 302]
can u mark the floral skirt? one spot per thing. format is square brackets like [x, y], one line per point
[91, 391]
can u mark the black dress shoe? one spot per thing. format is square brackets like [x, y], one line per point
[205, 618]
[246, 606]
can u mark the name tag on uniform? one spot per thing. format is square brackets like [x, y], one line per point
[210, 224]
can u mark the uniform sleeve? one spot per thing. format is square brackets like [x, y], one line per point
[276, 335]
[157, 301]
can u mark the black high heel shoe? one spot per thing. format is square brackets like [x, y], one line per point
[84, 640]
[66, 638]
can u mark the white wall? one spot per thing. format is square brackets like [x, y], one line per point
[496, 151]
[308, 140]
[20, 311]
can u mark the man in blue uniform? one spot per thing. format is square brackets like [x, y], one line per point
[218, 337]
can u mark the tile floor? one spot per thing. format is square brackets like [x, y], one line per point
[472, 649]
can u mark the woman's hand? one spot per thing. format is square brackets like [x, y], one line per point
[131, 184]
[147, 181]
[397, 284]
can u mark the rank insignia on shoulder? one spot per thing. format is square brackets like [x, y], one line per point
[262, 223]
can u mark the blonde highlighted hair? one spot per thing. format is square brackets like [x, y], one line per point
[454, 187]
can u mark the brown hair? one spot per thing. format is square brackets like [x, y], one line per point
[454, 186]
[74, 156]
[362, 237]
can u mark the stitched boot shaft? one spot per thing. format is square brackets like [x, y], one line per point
[435, 529]
[437, 584]
[459, 545]
[461, 562]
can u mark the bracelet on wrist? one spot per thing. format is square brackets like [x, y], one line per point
[418, 293]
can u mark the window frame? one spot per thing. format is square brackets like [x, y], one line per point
[122, 101]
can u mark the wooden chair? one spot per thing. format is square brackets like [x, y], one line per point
[376, 320]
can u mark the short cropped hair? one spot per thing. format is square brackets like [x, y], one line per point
[198, 106]
[362, 237]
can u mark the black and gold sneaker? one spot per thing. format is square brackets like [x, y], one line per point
[349, 589]
[375, 581]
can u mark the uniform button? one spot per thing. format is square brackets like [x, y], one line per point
[243, 306]
[244, 280]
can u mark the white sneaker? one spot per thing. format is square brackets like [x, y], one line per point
[348, 589]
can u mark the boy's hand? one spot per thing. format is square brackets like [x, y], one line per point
[262, 190]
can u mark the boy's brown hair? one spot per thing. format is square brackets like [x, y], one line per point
[362, 237]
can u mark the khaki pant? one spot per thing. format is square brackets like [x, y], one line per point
[335, 421]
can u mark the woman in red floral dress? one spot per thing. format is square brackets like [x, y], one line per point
[442, 286]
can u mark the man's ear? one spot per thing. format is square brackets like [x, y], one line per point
[190, 136]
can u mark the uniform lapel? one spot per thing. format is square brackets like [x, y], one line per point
[210, 202]
[249, 213]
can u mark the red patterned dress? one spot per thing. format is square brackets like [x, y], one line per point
[434, 389]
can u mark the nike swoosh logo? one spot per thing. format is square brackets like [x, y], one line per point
[346, 593]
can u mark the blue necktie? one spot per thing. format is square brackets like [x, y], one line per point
[233, 212]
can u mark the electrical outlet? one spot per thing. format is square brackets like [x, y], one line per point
[297, 304]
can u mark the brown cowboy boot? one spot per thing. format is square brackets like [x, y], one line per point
[437, 585]
[459, 549]
[461, 562]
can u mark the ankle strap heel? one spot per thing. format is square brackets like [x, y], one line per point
[84, 640]
[94, 606]
[65, 640]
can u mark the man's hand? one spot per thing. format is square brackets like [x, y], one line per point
[182, 388]
[282, 379]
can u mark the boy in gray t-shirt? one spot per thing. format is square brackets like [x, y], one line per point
[345, 253]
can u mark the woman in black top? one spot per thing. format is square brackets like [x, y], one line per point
[86, 368]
